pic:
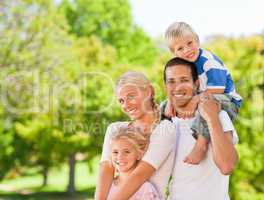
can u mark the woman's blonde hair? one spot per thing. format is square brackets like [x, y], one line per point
[177, 30]
[139, 80]
[134, 136]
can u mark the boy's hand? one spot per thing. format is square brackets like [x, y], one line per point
[169, 110]
[208, 107]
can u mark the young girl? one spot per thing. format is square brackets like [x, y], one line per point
[128, 146]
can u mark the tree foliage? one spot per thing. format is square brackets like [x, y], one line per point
[111, 21]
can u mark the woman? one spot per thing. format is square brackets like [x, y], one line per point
[136, 97]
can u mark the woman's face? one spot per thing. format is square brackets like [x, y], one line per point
[133, 100]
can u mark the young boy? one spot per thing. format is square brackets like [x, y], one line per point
[214, 78]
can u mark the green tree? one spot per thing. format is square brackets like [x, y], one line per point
[47, 89]
[111, 21]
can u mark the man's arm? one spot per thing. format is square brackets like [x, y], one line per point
[140, 175]
[106, 175]
[224, 152]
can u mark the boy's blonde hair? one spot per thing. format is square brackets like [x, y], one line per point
[134, 136]
[177, 30]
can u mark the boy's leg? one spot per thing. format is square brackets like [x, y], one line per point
[201, 133]
[201, 130]
[227, 105]
[199, 127]
[198, 152]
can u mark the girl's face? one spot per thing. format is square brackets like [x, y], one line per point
[124, 155]
[132, 100]
[187, 48]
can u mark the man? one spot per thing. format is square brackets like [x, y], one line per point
[209, 180]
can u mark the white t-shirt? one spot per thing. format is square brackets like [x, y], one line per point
[160, 153]
[203, 181]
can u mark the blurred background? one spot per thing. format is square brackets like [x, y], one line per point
[59, 60]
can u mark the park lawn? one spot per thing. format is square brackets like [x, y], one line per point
[29, 187]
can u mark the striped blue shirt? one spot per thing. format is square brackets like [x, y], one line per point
[213, 74]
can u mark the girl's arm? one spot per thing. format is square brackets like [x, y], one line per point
[104, 182]
[140, 175]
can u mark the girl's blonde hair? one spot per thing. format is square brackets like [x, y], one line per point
[177, 30]
[134, 136]
[139, 80]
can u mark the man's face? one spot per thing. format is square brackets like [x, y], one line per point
[180, 86]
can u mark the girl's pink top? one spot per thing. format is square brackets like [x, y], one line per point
[146, 192]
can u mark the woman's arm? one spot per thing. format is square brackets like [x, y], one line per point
[106, 175]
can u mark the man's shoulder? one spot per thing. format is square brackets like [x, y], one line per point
[165, 131]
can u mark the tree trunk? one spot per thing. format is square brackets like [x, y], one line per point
[45, 176]
[71, 183]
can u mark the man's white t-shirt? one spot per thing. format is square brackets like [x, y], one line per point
[203, 181]
[160, 153]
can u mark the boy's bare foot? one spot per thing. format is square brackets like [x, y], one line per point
[197, 154]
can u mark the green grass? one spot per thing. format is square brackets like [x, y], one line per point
[28, 187]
